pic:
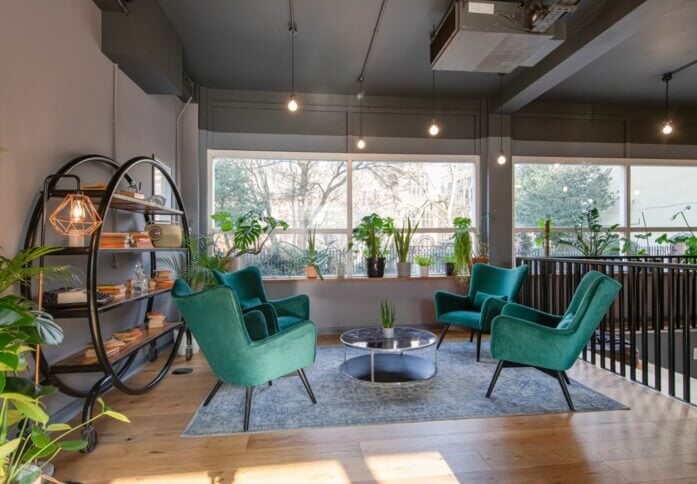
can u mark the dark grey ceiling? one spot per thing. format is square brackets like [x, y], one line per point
[631, 73]
[244, 44]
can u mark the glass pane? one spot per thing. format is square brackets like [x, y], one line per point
[304, 193]
[433, 193]
[664, 196]
[531, 244]
[560, 192]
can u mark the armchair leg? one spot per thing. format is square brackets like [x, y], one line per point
[442, 335]
[567, 396]
[566, 378]
[471, 336]
[306, 383]
[479, 344]
[247, 406]
[212, 393]
[497, 372]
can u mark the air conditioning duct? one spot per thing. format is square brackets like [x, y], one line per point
[497, 36]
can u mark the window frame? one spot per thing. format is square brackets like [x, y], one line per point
[349, 158]
[625, 229]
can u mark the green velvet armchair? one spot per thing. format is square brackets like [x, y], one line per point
[491, 288]
[522, 336]
[248, 286]
[235, 357]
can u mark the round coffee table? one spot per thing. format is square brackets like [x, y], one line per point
[387, 361]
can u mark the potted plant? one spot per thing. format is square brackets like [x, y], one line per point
[462, 245]
[374, 231]
[685, 243]
[311, 257]
[482, 256]
[245, 234]
[28, 440]
[589, 238]
[387, 316]
[402, 243]
[198, 269]
[449, 261]
[424, 264]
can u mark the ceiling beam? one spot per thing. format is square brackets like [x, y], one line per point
[601, 27]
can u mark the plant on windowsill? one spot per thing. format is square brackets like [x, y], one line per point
[590, 238]
[387, 317]
[28, 441]
[311, 258]
[449, 261]
[482, 256]
[462, 245]
[402, 244]
[245, 234]
[685, 243]
[374, 232]
[424, 264]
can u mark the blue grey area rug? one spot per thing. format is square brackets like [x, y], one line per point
[455, 392]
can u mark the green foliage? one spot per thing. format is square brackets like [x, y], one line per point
[689, 239]
[539, 192]
[449, 259]
[374, 232]
[25, 431]
[234, 190]
[462, 244]
[402, 240]
[198, 269]
[423, 261]
[590, 238]
[311, 256]
[387, 314]
[247, 233]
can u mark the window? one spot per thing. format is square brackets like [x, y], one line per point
[331, 193]
[645, 198]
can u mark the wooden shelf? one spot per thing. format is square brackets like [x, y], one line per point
[78, 362]
[83, 312]
[124, 202]
[125, 250]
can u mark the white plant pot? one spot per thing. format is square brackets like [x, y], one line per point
[403, 269]
[234, 264]
[680, 248]
[388, 332]
[340, 272]
[423, 271]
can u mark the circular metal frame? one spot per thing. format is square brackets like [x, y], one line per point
[113, 376]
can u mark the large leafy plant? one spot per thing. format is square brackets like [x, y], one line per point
[203, 259]
[462, 244]
[374, 232]
[247, 233]
[689, 238]
[590, 238]
[311, 256]
[28, 440]
[402, 239]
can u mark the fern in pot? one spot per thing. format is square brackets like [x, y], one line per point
[402, 244]
[387, 317]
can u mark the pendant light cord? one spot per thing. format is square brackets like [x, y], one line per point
[667, 78]
[433, 93]
[500, 110]
[360, 110]
[292, 30]
[376, 29]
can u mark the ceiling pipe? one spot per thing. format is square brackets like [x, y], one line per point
[376, 29]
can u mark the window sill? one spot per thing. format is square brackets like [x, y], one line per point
[361, 278]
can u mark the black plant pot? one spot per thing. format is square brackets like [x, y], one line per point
[376, 266]
[449, 268]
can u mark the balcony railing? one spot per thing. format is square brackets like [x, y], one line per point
[650, 333]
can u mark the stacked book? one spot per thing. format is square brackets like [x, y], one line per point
[114, 240]
[163, 279]
[131, 194]
[141, 240]
[111, 347]
[156, 319]
[116, 291]
[129, 335]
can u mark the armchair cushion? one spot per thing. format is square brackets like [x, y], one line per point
[255, 322]
[482, 296]
[251, 302]
[566, 321]
[468, 319]
[285, 322]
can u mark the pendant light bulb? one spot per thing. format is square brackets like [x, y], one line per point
[434, 129]
[360, 144]
[292, 105]
[667, 128]
[501, 160]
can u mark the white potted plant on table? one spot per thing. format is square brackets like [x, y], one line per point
[424, 264]
[387, 315]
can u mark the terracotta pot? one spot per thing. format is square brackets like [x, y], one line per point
[403, 269]
[311, 272]
[481, 260]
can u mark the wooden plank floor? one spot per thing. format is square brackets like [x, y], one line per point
[656, 441]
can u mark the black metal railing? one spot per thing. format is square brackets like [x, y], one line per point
[650, 333]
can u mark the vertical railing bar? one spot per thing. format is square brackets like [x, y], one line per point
[670, 297]
[622, 296]
[655, 318]
[644, 326]
[631, 300]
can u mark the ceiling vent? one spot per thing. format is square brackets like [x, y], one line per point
[498, 36]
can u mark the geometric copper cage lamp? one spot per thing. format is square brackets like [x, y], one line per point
[75, 216]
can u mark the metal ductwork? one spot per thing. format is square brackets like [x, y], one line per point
[498, 36]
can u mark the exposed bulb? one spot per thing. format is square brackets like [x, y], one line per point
[667, 127]
[564, 189]
[77, 212]
[292, 105]
[360, 144]
[434, 129]
[501, 160]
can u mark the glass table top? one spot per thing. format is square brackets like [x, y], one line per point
[404, 339]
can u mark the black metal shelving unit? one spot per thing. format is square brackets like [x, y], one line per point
[114, 367]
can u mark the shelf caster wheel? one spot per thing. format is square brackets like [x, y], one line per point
[89, 435]
[153, 353]
[189, 353]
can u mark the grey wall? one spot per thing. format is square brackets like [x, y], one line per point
[56, 103]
